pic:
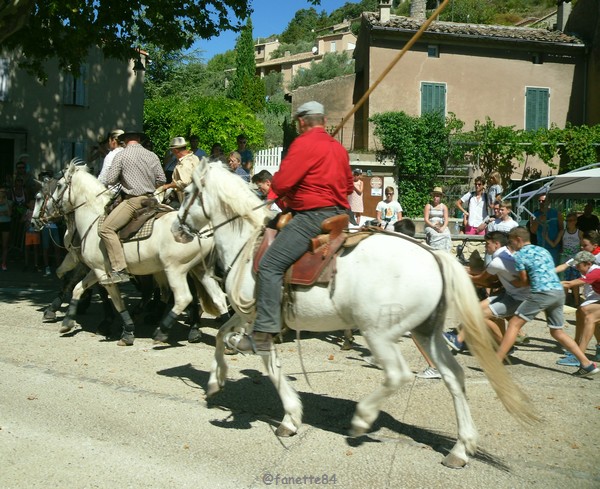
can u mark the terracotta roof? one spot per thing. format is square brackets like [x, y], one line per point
[499, 32]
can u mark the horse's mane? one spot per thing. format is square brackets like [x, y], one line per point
[83, 183]
[237, 199]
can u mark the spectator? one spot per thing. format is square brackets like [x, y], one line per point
[477, 203]
[503, 222]
[546, 224]
[216, 152]
[535, 267]
[263, 180]
[32, 238]
[5, 225]
[495, 190]
[587, 221]
[50, 238]
[436, 222]
[246, 156]
[388, 211]
[199, 152]
[570, 239]
[588, 313]
[591, 242]
[235, 165]
[355, 199]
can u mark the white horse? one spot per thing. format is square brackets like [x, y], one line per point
[384, 287]
[80, 196]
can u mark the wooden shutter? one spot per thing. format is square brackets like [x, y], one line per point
[536, 108]
[433, 98]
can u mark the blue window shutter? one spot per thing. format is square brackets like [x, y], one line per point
[433, 98]
[536, 108]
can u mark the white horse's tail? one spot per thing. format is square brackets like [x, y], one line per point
[460, 294]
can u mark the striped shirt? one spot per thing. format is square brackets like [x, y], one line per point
[137, 170]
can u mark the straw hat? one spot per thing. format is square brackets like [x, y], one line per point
[437, 190]
[178, 142]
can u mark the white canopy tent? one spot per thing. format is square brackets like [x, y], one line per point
[583, 183]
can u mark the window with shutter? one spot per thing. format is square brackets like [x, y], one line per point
[75, 87]
[536, 108]
[433, 98]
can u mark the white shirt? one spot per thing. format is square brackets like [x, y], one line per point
[503, 226]
[477, 208]
[503, 266]
[108, 160]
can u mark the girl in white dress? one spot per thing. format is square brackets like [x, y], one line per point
[436, 222]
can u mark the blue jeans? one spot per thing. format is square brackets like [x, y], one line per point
[289, 245]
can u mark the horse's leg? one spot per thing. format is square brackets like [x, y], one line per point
[193, 310]
[292, 406]
[454, 378]
[218, 369]
[109, 313]
[182, 297]
[127, 336]
[348, 340]
[68, 322]
[396, 373]
[212, 293]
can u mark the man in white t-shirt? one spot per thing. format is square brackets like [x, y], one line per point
[478, 210]
[496, 308]
[388, 211]
[504, 222]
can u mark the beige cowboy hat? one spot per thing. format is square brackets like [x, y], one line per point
[437, 190]
[178, 142]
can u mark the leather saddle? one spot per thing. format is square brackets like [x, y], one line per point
[140, 227]
[317, 265]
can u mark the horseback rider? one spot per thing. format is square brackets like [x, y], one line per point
[187, 161]
[314, 181]
[139, 172]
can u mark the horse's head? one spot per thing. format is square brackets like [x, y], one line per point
[42, 212]
[192, 215]
[70, 189]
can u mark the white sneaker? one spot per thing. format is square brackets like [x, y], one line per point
[429, 373]
[47, 272]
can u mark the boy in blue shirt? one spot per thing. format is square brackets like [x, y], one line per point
[535, 267]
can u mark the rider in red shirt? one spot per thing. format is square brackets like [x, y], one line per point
[314, 181]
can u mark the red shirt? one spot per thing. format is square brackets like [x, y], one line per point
[315, 173]
[593, 278]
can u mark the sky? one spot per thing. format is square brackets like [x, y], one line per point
[269, 17]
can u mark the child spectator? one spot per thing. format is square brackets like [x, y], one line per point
[588, 313]
[570, 237]
[535, 267]
[32, 238]
[388, 210]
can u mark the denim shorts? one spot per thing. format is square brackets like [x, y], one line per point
[503, 305]
[550, 301]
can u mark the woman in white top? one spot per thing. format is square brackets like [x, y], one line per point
[436, 222]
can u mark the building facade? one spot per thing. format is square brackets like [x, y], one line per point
[68, 115]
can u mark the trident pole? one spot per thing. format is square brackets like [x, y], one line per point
[408, 45]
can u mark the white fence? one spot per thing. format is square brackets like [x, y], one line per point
[267, 159]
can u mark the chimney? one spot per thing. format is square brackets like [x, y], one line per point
[562, 14]
[417, 9]
[385, 8]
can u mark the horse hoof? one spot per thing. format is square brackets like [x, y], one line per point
[453, 462]
[195, 335]
[125, 341]
[49, 315]
[212, 390]
[159, 336]
[347, 345]
[284, 431]
[65, 328]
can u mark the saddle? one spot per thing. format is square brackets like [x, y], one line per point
[140, 227]
[317, 265]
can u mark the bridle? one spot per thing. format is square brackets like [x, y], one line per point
[207, 233]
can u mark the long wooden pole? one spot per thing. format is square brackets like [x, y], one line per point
[408, 45]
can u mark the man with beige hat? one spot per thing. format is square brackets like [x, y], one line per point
[114, 146]
[186, 163]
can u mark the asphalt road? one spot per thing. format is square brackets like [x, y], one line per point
[77, 411]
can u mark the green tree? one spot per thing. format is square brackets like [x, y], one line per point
[303, 26]
[332, 65]
[213, 119]
[67, 29]
[471, 11]
[421, 147]
[246, 86]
